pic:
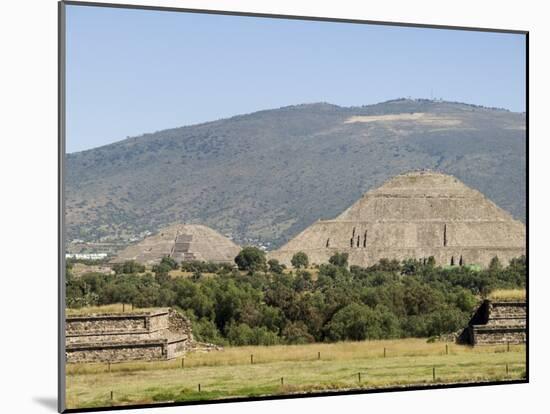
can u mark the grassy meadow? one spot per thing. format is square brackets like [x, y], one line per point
[104, 309]
[508, 294]
[289, 369]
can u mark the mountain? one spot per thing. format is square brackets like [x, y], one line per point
[265, 176]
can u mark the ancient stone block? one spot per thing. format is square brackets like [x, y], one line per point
[154, 335]
[492, 323]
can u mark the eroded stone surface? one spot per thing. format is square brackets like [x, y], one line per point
[502, 322]
[414, 215]
[160, 334]
[182, 242]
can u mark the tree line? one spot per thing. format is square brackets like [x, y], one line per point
[261, 302]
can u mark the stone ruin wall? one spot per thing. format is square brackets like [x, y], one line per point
[504, 336]
[424, 207]
[477, 242]
[157, 335]
[112, 353]
[442, 257]
[494, 323]
[81, 325]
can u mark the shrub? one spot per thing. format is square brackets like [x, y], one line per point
[339, 259]
[203, 267]
[354, 322]
[275, 266]
[297, 333]
[251, 259]
[168, 261]
[242, 334]
[299, 260]
[205, 330]
[128, 267]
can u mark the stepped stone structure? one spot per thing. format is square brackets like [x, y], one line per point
[153, 335]
[182, 242]
[414, 215]
[496, 323]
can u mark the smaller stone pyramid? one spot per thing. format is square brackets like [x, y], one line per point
[182, 242]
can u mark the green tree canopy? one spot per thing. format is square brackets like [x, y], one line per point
[299, 260]
[275, 266]
[495, 265]
[128, 267]
[251, 259]
[339, 259]
[167, 260]
[359, 322]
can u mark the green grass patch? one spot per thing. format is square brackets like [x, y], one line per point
[228, 373]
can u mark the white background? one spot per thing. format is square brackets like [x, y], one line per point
[28, 203]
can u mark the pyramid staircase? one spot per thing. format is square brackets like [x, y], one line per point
[181, 251]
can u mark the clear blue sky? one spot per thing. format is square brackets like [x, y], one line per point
[135, 71]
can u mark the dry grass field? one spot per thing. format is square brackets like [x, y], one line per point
[313, 271]
[508, 294]
[180, 273]
[291, 369]
[103, 309]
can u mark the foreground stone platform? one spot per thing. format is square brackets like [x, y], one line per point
[502, 322]
[153, 335]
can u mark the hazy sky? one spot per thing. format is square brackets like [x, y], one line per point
[135, 71]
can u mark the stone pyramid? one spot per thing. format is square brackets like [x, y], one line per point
[182, 242]
[414, 215]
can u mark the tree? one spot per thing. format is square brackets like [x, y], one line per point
[303, 281]
[299, 260]
[242, 334]
[196, 276]
[128, 267]
[354, 322]
[161, 268]
[386, 265]
[445, 320]
[465, 301]
[162, 277]
[410, 266]
[167, 260]
[518, 264]
[340, 304]
[251, 259]
[495, 265]
[296, 333]
[275, 266]
[339, 259]
[205, 330]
